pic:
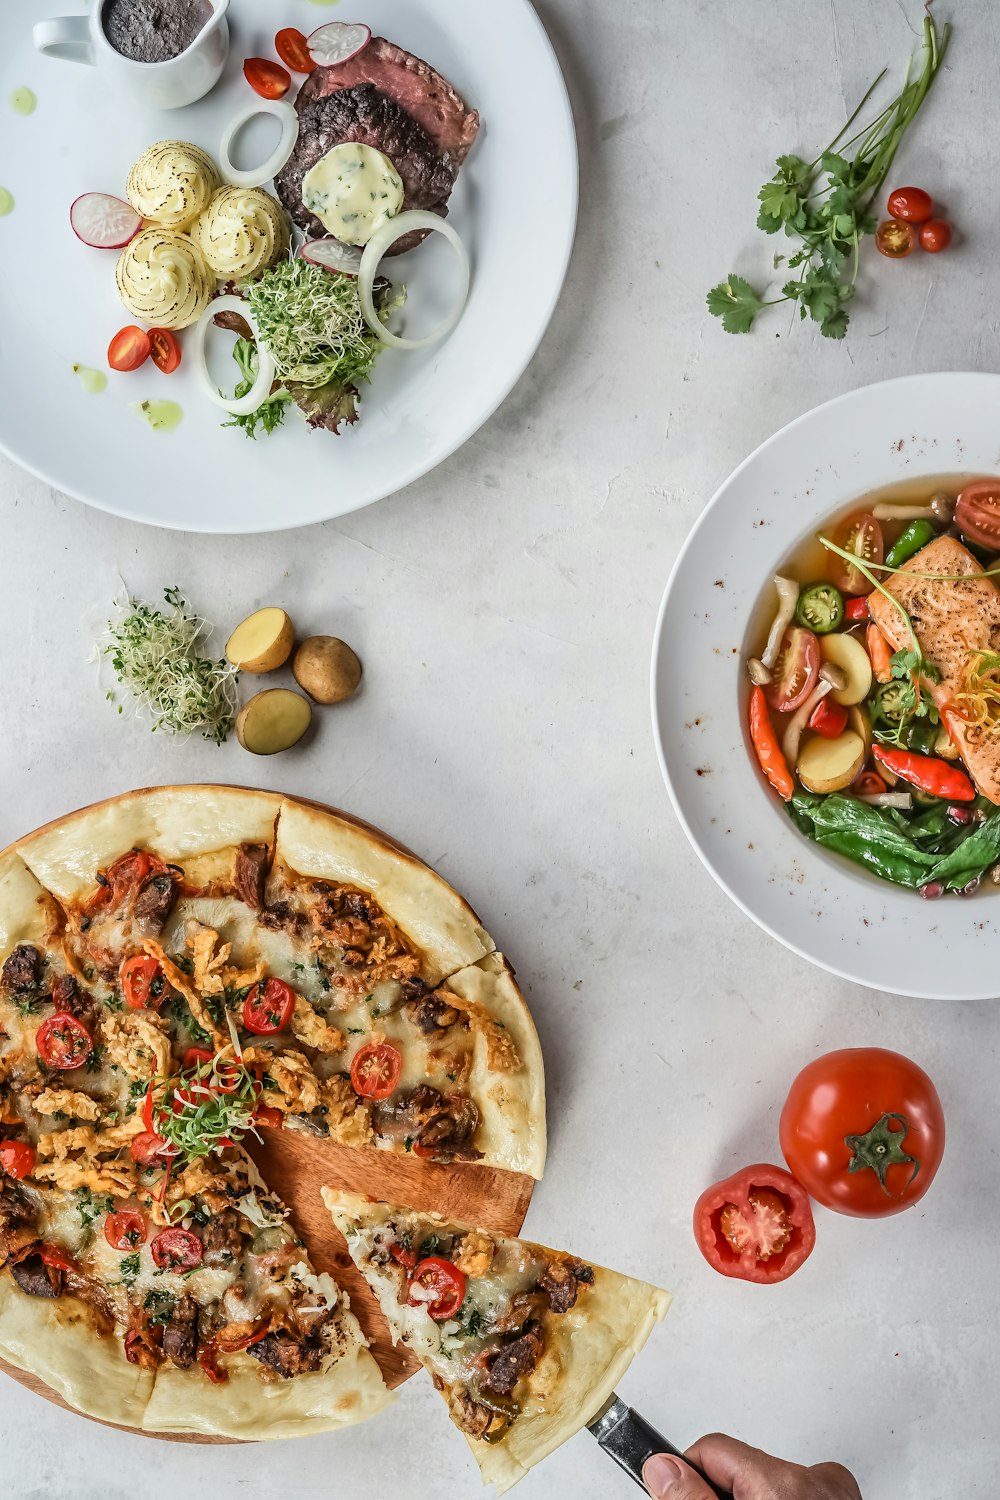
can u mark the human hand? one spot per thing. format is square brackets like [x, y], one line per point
[749, 1473]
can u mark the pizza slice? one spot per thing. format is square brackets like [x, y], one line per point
[525, 1344]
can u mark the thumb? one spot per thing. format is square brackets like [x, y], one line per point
[671, 1479]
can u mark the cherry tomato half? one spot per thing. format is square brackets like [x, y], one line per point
[863, 1131]
[149, 1150]
[17, 1158]
[293, 49]
[935, 235]
[439, 1286]
[405, 1258]
[125, 1230]
[165, 349]
[869, 784]
[143, 982]
[63, 1042]
[197, 1057]
[129, 349]
[269, 79]
[977, 513]
[756, 1226]
[862, 535]
[268, 1007]
[177, 1250]
[797, 671]
[896, 239]
[375, 1070]
[910, 204]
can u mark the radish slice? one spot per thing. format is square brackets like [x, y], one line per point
[337, 42]
[261, 388]
[104, 222]
[376, 248]
[332, 256]
[257, 176]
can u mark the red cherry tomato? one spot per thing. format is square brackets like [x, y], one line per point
[910, 204]
[208, 1358]
[165, 349]
[426, 1152]
[935, 235]
[125, 1230]
[797, 671]
[197, 1057]
[267, 1115]
[828, 719]
[863, 1131]
[438, 1286]
[63, 1042]
[375, 1070]
[862, 535]
[268, 1007]
[293, 49]
[17, 1158]
[269, 79]
[143, 982]
[149, 1150]
[52, 1256]
[405, 1258]
[896, 239]
[177, 1250]
[977, 513]
[129, 349]
[756, 1226]
[869, 784]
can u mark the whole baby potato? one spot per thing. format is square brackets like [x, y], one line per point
[327, 669]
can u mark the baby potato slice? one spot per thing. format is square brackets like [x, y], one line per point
[327, 668]
[272, 721]
[830, 765]
[859, 721]
[263, 642]
[846, 652]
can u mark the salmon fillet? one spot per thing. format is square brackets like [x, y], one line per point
[952, 620]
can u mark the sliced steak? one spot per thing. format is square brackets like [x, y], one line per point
[250, 873]
[180, 1335]
[514, 1360]
[36, 1278]
[364, 115]
[287, 1355]
[414, 85]
[68, 997]
[22, 969]
[222, 1239]
[442, 1123]
[281, 917]
[469, 1415]
[15, 1210]
[153, 903]
[561, 1282]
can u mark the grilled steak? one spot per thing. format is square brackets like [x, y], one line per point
[22, 969]
[250, 872]
[180, 1336]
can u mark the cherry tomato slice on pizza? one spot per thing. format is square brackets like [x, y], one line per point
[269, 79]
[208, 1358]
[143, 982]
[756, 1225]
[268, 1007]
[197, 1057]
[125, 1230]
[266, 1114]
[149, 1150]
[52, 1256]
[438, 1286]
[17, 1158]
[63, 1042]
[375, 1070]
[293, 49]
[177, 1250]
[165, 350]
[405, 1258]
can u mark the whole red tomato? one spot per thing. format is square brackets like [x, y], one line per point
[863, 1131]
[756, 1225]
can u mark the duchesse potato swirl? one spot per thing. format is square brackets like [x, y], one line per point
[243, 231]
[164, 279]
[171, 183]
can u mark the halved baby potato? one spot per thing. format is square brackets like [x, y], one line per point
[858, 720]
[830, 765]
[273, 721]
[846, 652]
[263, 642]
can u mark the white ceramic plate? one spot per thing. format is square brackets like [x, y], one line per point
[514, 205]
[816, 903]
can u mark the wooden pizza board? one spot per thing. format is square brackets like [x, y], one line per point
[296, 1166]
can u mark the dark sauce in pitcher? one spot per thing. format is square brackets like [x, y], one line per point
[152, 31]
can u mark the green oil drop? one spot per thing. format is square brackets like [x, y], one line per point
[6, 202]
[162, 416]
[93, 381]
[23, 101]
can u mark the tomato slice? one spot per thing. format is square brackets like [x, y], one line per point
[935, 235]
[375, 1070]
[208, 1358]
[177, 1250]
[143, 982]
[165, 349]
[125, 875]
[862, 535]
[197, 1057]
[896, 239]
[248, 1334]
[268, 1007]
[756, 1226]
[149, 1150]
[293, 49]
[405, 1258]
[63, 1042]
[269, 79]
[17, 1158]
[129, 349]
[797, 671]
[438, 1286]
[125, 1230]
[267, 1115]
[425, 1152]
[910, 204]
[977, 513]
[52, 1256]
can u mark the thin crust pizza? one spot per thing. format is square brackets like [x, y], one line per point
[524, 1343]
[178, 968]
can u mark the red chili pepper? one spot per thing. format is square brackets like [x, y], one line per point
[927, 774]
[765, 743]
[855, 610]
[828, 719]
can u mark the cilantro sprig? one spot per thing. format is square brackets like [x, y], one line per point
[827, 205]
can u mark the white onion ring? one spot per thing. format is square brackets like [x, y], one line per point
[261, 388]
[257, 176]
[376, 248]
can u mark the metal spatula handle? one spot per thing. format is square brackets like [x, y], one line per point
[628, 1438]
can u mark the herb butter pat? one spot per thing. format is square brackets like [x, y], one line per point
[353, 190]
